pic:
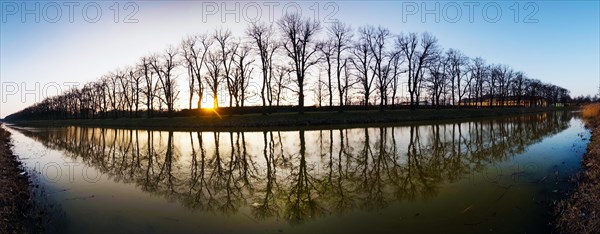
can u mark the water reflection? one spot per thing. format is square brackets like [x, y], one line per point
[301, 175]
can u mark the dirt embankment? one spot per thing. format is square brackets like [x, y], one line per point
[580, 211]
[16, 204]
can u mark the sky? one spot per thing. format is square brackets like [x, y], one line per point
[48, 47]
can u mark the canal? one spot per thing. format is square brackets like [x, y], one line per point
[484, 175]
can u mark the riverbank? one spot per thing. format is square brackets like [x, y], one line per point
[289, 121]
[16, 205]
[580, 211]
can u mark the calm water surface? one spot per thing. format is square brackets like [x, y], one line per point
[493, 175]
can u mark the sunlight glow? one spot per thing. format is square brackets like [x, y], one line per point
[208, 105]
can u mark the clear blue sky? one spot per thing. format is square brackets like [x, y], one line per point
[554, 41]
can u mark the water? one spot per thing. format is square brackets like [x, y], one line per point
[492, 175]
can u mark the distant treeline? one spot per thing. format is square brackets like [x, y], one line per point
[340, 65]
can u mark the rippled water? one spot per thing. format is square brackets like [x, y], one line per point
[498, 175]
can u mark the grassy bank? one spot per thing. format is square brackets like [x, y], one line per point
[16, 205]
[321, 119]
[580, 211]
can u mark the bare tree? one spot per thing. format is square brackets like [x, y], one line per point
[478, 71]
[136, 77]
[467, 82]
[382, 59]
[457, 66]
[518, 86]
[363, 60]
[282, 79]
[341, 36]
[101, 92]
[195, 49]
[416, 51]
[299, 35]
[505, 76]
[492, 83]
[437, 78]
[187, 45]
[127, 94]
[263, 36]
[347, 82]
[83, 97]
[394, 67]
[228, 48]
[327, 50]
[150, 84]
[242, 74]
[213, 79]
[164, 71]
[319, 90]
[114, 93]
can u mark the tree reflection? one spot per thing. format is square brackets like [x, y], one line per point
[265, 206]
[301, 175]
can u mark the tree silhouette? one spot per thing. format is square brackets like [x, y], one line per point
[300, 46]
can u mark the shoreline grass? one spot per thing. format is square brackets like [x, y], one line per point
[290, 121]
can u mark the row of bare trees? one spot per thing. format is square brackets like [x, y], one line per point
[281, 63]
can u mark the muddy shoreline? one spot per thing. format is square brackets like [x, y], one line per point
[16, 203]
[580, 211]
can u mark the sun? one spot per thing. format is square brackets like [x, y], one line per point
[208, 106]
[207, 103]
